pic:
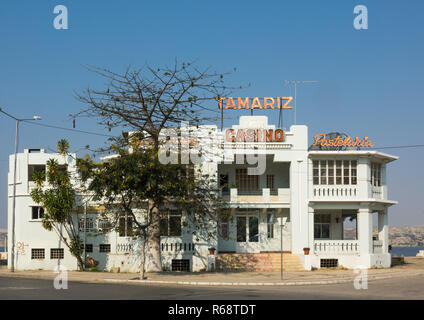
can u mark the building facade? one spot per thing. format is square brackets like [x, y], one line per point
[264, 174]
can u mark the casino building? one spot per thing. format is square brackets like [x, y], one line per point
[283, 195]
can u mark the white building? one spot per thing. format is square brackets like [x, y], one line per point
[315, 190]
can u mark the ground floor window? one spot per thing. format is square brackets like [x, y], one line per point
[126, 226]
[170, 224]
[57, 253]
[270, 225]
[322, 226]
[88, 248]
[104, 248]
[247, 228]
[224, 229]
[37, 253]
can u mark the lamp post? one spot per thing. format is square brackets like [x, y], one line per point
[281, 223]
[12, 269]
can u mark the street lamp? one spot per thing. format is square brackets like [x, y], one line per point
[12, 269]
[281, 223]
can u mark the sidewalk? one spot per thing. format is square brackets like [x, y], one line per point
[413, 267]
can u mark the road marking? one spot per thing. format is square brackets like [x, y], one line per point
[17, 288]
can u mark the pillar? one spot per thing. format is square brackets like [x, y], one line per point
[383, 229]
[365, 231]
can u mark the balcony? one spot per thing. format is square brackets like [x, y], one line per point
[379, 193]
[345, 192]
[336, 247]
[280, 195]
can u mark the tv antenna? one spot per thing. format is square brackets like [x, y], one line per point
[296, 82]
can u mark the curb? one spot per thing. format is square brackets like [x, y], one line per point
[213, 283]
[290, 283]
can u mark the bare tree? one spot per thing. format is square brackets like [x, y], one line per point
[149, 100]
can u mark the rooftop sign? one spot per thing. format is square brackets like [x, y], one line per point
[254, 103]
[321, 140]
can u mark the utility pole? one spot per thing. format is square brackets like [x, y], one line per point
[296, 82]
[12, 268]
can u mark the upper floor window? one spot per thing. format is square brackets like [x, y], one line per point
[270, 181]
[34, 168]
[85, 224]
[223, 182]
[37, 213]
[126, 226]
[170, 224]
[375, 174]
[330, 172]
[246, 182]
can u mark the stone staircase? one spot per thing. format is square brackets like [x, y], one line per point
[257, 262]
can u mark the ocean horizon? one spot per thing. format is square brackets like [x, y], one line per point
[405, 251]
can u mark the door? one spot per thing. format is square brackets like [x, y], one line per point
[247, 234]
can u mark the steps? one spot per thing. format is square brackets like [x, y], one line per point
[257, 262]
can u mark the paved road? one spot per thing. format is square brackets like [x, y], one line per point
[398, 288]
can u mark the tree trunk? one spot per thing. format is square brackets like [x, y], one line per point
[80, 263]
[154, 263]
[143, 257]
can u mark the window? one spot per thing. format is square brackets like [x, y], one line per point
[103, 225]
[88, 248]
[241, 229]
[246, 182]
[170, 225]
[247, 229]
[224, 229]
[126, 226]
[104, 248]
[56, 253]
[375, 174]
[322, 226]
[223, 182]
[37, 253]
[180, 265]
[329, 263]
[270, 225]
[253, 229]
[330, 172]
[33, 168]
[270, 181]
[89, 224]
[37, 213]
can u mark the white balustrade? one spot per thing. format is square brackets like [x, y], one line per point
[336, 246]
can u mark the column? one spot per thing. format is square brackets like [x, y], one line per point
[311, 229]
[365, 231]
[383, 229]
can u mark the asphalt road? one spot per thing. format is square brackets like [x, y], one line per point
[397, 288]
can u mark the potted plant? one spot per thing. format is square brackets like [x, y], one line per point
[306, 251]
[212, 251]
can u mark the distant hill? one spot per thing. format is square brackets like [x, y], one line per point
[407, 236]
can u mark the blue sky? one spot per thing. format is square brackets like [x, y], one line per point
[369, 82]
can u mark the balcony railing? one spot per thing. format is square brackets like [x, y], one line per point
[335, 192]
[281, 195]
[336, 246]
[377, 246]
[378, 192]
